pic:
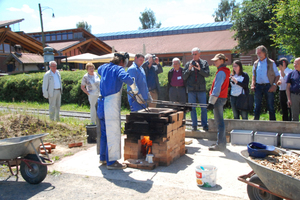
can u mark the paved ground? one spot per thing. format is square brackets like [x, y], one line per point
[84, 178]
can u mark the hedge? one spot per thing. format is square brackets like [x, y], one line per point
[28, 87]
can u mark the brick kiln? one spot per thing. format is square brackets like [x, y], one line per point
[160, 132]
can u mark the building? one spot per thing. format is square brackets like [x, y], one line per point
[64, 42]
[170, 42]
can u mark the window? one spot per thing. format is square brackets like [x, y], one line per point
[58, 37]
[6, 48]
[65, 36]
[70, 36]
[53, 37]
[47, 37]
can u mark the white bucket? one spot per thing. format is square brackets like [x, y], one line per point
[206, 175]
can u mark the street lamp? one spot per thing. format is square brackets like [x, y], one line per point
[43, 37]
[44, 8]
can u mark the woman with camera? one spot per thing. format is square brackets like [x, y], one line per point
[239, 82]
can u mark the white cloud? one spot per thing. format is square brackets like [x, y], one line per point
[69, 22]
[25, 9]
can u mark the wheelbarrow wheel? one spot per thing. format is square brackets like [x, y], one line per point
[35, 175]
[257, 194]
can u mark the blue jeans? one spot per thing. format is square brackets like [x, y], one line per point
[236, 112]
[201, 96]
[260, 91]
[218, 115]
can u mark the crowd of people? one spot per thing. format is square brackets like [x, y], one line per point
[189, 81]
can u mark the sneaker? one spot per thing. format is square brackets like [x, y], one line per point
[103, 162]
[205, 128]
[194, 128]
[216, 148]
[116, 165]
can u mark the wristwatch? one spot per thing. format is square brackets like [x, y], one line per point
[274, 84]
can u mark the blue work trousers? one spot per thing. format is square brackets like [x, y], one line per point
[192, 98]
[219, 120]
[260, 91]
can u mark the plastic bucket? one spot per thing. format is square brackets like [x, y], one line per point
[91, 131]
[206, 175]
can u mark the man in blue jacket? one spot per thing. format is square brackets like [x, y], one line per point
[113, 76]
[138, 73]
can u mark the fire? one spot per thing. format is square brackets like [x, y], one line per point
[146, 145]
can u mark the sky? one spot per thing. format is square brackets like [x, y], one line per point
[103, 15]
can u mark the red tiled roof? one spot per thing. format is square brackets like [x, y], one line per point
[206, 41]
[9, 22]
[29, 58]
[60, 46]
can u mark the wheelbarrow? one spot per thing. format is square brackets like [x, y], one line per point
[265, 183]
[25, 151]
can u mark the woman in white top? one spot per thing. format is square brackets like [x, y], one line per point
[239, 85]
[90, 85]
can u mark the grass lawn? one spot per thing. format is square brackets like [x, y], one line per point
[74, 107]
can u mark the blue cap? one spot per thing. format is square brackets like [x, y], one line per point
[259, 150]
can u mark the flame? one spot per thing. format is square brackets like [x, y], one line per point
[146, 143]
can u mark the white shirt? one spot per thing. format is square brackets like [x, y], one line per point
[236, 90]
[282, 87]
[56, 80]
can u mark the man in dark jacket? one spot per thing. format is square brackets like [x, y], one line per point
[176, 87]
[152, 69]
[194, 74]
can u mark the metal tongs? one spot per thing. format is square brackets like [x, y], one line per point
[180, 104]
[133, 96]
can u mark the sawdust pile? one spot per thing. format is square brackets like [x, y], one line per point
[286, 164]
[16, 125]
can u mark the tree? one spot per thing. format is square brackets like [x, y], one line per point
[148, 19]
[225, 10]
[286, 26]
[85, 26]
[250, 23]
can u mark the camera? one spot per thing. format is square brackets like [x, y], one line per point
[153, 57]
[194, 63]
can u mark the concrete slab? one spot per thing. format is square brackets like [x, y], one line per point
[180, 174]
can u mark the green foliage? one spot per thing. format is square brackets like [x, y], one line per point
[250, 23]
[286, 26]
[85, 26]
[148, 19]
[225, 10]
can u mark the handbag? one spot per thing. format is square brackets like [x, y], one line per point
[245, 102]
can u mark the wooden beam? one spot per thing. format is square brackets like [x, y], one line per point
[77, 45]
[2, 37]
[24, 41]
[86, 47]
[103, 46]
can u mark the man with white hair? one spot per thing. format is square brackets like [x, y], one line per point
[194, 74]
[152, 68]
[52, 90]
[175, 82]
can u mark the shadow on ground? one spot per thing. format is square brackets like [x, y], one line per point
[121, 178]
[12, 188]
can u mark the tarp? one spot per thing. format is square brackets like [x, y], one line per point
[107, 58]
[82, 58]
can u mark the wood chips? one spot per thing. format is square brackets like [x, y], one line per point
[286, 164]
